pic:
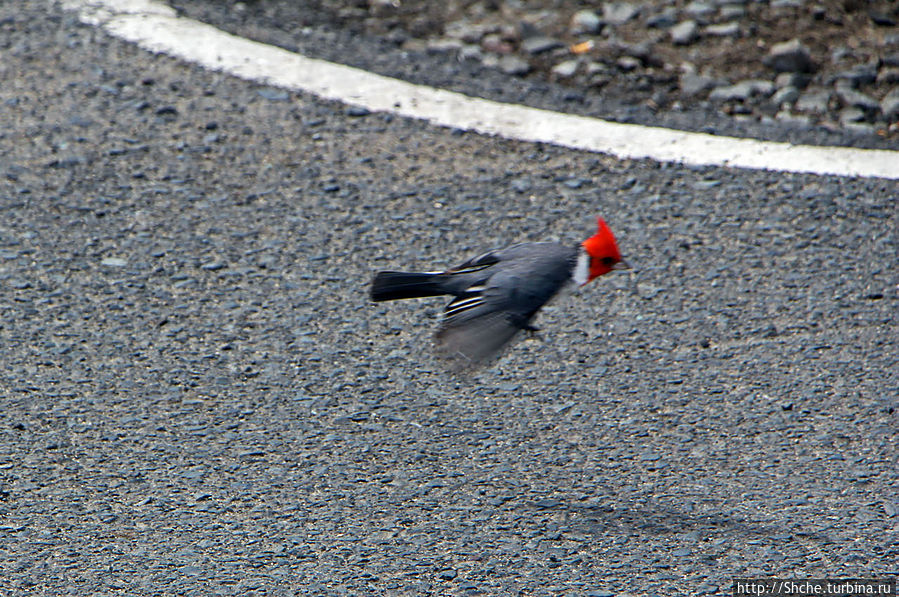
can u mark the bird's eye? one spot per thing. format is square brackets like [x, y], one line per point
[609, 261]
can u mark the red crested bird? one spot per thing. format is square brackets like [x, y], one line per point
[497, 294]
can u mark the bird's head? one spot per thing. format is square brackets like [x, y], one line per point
[602, 251]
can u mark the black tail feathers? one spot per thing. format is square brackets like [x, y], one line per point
[390, 286]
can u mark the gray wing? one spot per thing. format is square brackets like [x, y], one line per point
[478, 325]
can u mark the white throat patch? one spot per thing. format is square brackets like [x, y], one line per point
[581, 273]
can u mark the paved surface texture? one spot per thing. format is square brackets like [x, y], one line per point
[668, 85]
[198, 397]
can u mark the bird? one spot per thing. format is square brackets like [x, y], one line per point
[497, 294]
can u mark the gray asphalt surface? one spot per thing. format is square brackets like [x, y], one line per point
[199, 398]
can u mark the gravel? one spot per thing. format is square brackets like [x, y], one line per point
[830, 43]
[199, 398]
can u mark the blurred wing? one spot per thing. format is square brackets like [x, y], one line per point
[471, 341]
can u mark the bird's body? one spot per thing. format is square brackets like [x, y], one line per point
[497, 294]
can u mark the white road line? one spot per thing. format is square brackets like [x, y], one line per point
[156, 27]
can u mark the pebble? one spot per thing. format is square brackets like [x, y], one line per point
[585, 21]
[851, 115]
[814, 101]
[698, 9]
[889, 105]
[790, 56]
[565, 69]
[785, 95]
[857, 99]
[888, 76]
[540, 44]
[723, 30]
[861, 74]
[730, 12]
[114, 262]
[664, 19]
[743, 90]
[684, 33]
[693, 84]
[513, 65]
[273, 94]
[619, 13]
[628, 63]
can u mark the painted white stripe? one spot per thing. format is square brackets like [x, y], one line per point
[156, 27]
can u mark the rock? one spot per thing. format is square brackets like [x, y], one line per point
[743, 90]
[814, 101]
[785, 95]
[698, 9]
[467, 32]
[494, 42]
[731, 12]
[787, 117]
[797, 80]
[888, 76]
[540, 44]
[471, 52]
[663, 19]
[273, 94]
[862, 74]
[723, 30]
[513, 65]
[565, 69]
[619, 13]
[891, 59]
[585, 21]
[851, 115]
[855, 99]
[882, 19]
[790, 56]
[889, 105]
[786, 3]
[684, 33]
[114, 262]
[443, 45]
[692, 84]
[628, 63]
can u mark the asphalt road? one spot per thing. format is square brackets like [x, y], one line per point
[198, 397]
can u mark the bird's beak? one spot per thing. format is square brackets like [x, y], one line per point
[622, 265]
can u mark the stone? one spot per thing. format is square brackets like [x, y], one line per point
[889, 105]
[513, 65]
[619, 13]
[855, 99]
[785, 95]
[684, 33]
[565, 69]
[861, 74]
[731, 12]
[888, 76]
[699, 9]
[467, 32]
[798, 80]
[663, 19]
[585, 21]
[743, 90]
[723, 30]
[540, 44]
[790, 56]
[787, 117]
[628, 63]
[814, 101]
[851, 115]
[693, 84]
[443, 45]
